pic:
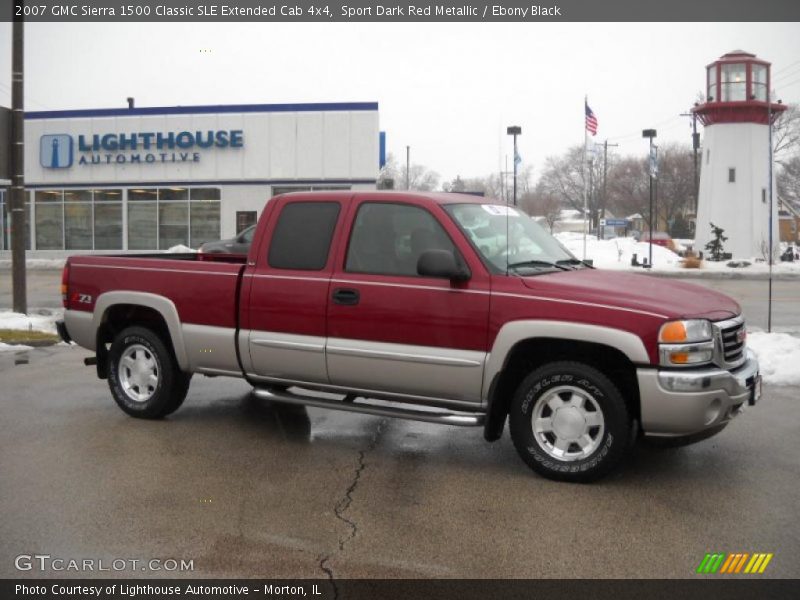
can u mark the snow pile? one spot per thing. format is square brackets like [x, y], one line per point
[45, 321]
[778, 356]
[179, 249]
[36, 263]
[13, 348]
[616, 253]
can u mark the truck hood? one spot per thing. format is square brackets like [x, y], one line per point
[667, 297]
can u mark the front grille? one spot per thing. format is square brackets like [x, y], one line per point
[730, 342]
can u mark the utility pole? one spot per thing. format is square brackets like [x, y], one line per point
[605, 173]
[695, 149]
[17, 196]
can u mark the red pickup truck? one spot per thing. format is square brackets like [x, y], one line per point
[444, 308]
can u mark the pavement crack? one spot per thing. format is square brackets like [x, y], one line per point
[343, 505]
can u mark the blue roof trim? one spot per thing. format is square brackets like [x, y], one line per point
[196, 183]
[197, 110]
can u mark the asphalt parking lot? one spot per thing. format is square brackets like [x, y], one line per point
[248, 489]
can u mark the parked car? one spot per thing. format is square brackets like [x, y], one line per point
[660, 238]
[235, 245]
[386, 295]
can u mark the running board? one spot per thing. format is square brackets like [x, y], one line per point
[461, 419]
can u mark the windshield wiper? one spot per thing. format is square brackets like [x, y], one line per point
[538, 263]
[573, 261]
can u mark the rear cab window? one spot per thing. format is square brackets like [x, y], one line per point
[301, 239]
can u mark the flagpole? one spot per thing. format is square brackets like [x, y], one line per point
[585, 142]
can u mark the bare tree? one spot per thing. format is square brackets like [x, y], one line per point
[786, 134]
[788, 180]
[420, 178]
[541, 203]
[564, 177]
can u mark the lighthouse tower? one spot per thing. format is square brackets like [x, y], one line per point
[735, 163]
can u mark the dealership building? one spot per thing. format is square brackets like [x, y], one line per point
[144, 179]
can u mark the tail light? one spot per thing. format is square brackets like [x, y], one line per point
[65, 285]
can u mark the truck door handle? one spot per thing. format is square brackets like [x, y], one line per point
[346, 296]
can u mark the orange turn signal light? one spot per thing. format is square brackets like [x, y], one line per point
[674, 331]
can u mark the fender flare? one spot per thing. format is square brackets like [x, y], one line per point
[163, 306]
[512, 333]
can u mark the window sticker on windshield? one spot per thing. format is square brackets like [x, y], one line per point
[496, 209]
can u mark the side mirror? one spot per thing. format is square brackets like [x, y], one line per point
[441, 263]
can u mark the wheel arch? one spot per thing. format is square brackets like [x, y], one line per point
[116, 310]
[525, 345]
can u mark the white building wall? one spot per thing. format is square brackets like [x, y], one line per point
[740, 208]
[302, 145]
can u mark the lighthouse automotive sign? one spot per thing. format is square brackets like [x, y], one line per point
[58, 151]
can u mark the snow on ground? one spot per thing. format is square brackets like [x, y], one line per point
[13, 348]
[778, 356]
[58, 262]
[45, 320]
[616, 254]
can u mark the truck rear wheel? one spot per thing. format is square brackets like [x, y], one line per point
[569, 422]
[143, 375]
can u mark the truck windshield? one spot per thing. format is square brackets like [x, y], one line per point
[508, 238]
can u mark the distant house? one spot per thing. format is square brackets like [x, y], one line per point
[788, 222]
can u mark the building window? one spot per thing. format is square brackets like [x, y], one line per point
[160, 218]
[734, 82]
[142, 219]
[78, 222]
[5, 221]
[708, 156]
[173, 217]
[763, 195]
[204, 216]
[49, 214]
[244, 219]
[712, 83]
[731, 175]
[107, 219]
[759, 80]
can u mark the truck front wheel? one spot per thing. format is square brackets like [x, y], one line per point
[569, 422]
[143, 375]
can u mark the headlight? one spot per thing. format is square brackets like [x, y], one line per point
[685, 343]
[691, 330]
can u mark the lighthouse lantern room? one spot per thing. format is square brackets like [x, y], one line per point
[735, 172]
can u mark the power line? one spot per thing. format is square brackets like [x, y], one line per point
[639, 133]
[782, 69]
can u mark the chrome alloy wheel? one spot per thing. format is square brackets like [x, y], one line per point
[568, 423]
[138, 373]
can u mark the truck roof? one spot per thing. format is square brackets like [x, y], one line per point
[435, 197]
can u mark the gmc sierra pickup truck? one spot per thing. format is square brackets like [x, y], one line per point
[444, 308]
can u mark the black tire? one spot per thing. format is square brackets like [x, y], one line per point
[582, 443]
[143, 375]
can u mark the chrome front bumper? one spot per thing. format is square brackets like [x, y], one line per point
[683, 403]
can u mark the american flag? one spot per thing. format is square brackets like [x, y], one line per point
[591, 120]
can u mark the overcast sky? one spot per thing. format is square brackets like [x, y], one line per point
[447, 90]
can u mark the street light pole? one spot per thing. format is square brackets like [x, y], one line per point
[514, 131]
[650, 134]
[408, 164]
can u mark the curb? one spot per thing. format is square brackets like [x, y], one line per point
[721, 275]
[32, 343]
